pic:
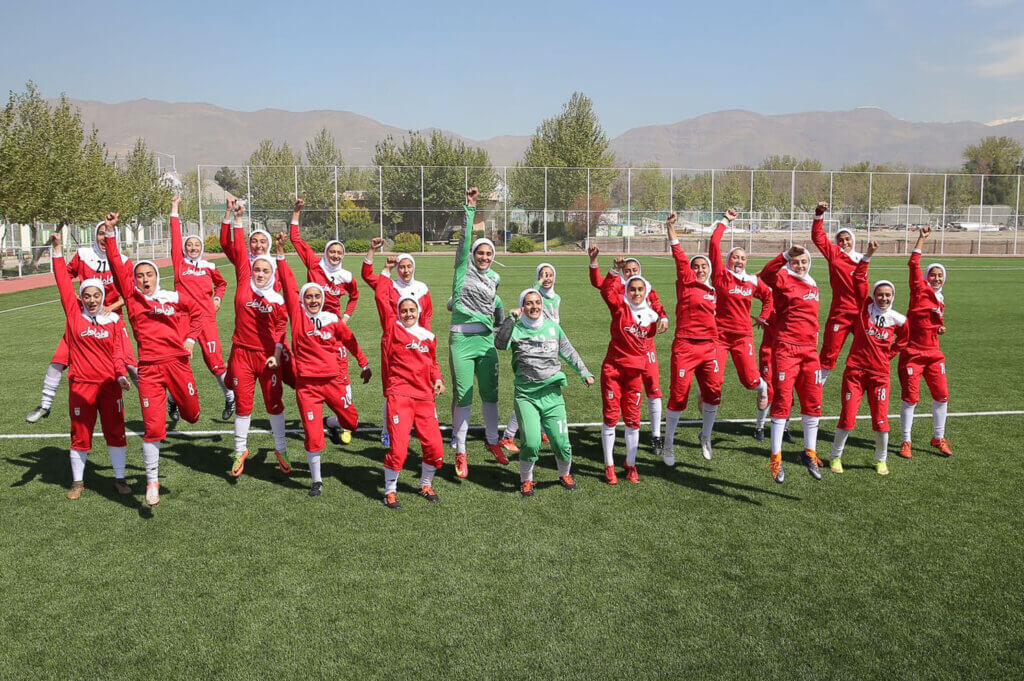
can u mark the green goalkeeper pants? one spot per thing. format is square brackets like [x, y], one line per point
[543, 409]
[473, 354]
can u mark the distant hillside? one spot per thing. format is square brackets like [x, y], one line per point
[203, 133]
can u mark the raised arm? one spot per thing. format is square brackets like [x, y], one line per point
[382, 296]
[683, 272]
[770, 272]
[177, 254]
[66, 288]
[369, 276]
[568, 353]
[504, 333]
[239, 247]
[609, 291]
[305, 251]
[594, 270]
[290, 290]
[462, 253]
[917, 282]
[715, 247]
[122, 275]
[226, 244]
[828, 249]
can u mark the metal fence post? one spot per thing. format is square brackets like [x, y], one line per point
[942, 227]
[1016, 217]
[792, 204]
[504, 236]
[337, 218]
[380, 198]
[296, 169]
[199, 197]
[750, 217]
[423, 212]
[981, 211]
[588, 207]
[545, 209]
[248, 193]
[906, 227]
[629, 208]
[871, 193]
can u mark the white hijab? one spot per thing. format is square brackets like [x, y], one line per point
[267, 290]
[701, 256]
[742, 276]
[416, 330]
[806, 278]
[642, 313]
[93, 256]
[413, 287]
[477, 244]
[938, 291]
[160, 295]
[197, 261]
[526, 321]
[321, 318]
[336, 274]
[546, 292]
[853, 254]
[101, 318]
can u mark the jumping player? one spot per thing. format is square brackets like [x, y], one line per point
[471, 341]
[89, 262]
[405, 283]
[630, 353]
[923, 356]
[257, 348]
[652, 374]
[845, 309]
[879, 335]
[98, 374]
[694, 347]
[413, 383]
[166, 327]
[537, 343]
[199, 280]
[316, 337]
[326, 269]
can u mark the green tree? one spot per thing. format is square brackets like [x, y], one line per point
[229, 180]
[569, 143]
[996, 156]
[142, 194]
[447, 167]
[316, 183]
[272, 181]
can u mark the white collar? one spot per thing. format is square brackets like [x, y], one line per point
[806, 278]
[416, 330]
[268, 293]
[744, 277]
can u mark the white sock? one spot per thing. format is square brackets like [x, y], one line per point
[671, 423]
[632, 443]
[881, 446]
[654, 407]
[939, 410]
[151, 459]
[118, 458]
[280, 437]
[762, 414]
[839, 442]
[810, 432]
[525, 471]
[242, 432]
[229, 394]
[490, 410]
[823, 375]
[460, 426]
[427, 475]
[51, 381]
[512, 427]
[778, 428]
[390, 481]
[761, 388]
[709, 414]
[907, 420]
[313, 459]
[563, 467]
[608, 444]
[78, 465]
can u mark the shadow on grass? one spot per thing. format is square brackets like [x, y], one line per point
[50, 466]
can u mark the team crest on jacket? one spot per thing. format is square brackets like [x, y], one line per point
[309, 416]
[394, 419]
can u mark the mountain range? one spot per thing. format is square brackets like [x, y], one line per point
[204, 133]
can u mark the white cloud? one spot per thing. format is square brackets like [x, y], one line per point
[1009, 59]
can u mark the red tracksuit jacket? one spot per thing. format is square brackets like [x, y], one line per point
[632, 341]
[878, 335]
[335, 285]
[94, 343]
[796, 304]
[696, 302]
[845, 300]
[195, 279]
[421, 294]
[412, 354]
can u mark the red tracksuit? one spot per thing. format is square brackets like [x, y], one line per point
[86, 264]
[794, 353]
[845, 308]
[335, 285]
[630, 353]
[318, 369]
[195, 279]
[95, 348]
[735, 295]
[694, 347]
[877, 337]
[923, 356]
[422, 295]
[410, 384]
[260, 324]
[161, 325]
[652, 373]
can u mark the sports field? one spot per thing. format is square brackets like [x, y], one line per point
[707, 569]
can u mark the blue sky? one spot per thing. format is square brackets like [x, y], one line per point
[489, 69]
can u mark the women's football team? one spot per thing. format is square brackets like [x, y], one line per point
[714, 322]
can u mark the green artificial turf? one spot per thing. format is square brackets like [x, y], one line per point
[708, 569]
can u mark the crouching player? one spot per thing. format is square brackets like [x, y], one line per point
[537, 342]
[879, 334]
[97, 376]
[316, 337]
[413, 382]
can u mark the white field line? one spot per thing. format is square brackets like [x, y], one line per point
[588, 424]
[25, 307]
